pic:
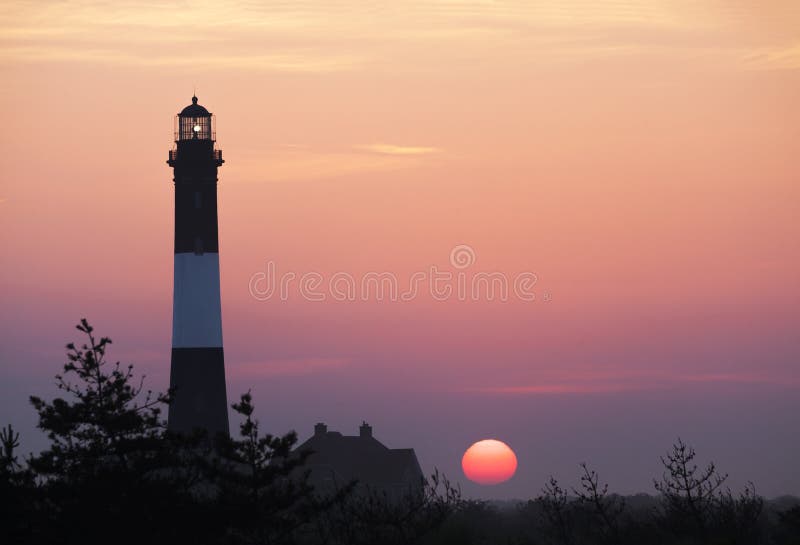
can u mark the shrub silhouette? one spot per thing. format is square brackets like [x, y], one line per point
[365, 516]
[688, 493]
[695, 505]
[603, 509]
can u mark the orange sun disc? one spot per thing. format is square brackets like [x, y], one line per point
[489, 462]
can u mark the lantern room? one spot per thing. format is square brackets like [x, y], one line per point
[194, 123]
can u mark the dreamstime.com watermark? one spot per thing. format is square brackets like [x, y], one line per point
[439, 284]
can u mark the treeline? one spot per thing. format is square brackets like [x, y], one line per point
[112, 473]
[691, 506]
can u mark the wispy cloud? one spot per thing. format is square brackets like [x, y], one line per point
[277, 62]
[234, 35]
[630, 384]
[297, 162]
[288, 367]
[307, 36]
[545, 389]
[774, 58]
[393, 149]
[741, 378]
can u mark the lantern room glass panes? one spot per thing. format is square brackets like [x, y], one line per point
[194, 128]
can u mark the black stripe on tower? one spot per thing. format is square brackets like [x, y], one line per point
[196, 164]
[196, 228]
[198, 377]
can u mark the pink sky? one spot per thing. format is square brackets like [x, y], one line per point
[641, 158]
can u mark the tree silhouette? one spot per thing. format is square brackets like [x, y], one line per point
[689, 493]
[108, 460]
[9, 441]
[605, 509]
[694, 503]
[107, 423]
[17, 490]
[555, 507]
[263, 495]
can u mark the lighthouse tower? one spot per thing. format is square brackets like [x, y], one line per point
[197, 372]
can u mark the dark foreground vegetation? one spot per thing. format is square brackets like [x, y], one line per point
[113, 474]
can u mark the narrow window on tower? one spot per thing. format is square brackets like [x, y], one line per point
[198, 199]
[198, 246]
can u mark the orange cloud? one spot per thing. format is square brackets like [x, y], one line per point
[392, 149]
[774, 58]
[295, 163]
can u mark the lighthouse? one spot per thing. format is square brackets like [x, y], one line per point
[197, 370]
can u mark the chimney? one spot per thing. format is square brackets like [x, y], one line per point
[365, 430]
[320, 429]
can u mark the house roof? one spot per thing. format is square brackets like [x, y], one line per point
[360, 457]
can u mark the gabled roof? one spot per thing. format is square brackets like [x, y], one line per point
[361, 458]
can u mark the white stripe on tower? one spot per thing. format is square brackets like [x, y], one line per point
[196, 309]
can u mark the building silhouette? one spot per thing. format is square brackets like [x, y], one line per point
[338, 459]
[197, 370]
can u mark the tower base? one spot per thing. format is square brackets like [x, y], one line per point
[198, 378]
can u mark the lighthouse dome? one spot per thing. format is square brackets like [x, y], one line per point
[194, 110]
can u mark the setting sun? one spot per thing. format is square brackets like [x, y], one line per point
[489, 462]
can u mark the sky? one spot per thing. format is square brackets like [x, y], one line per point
[627, 170]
